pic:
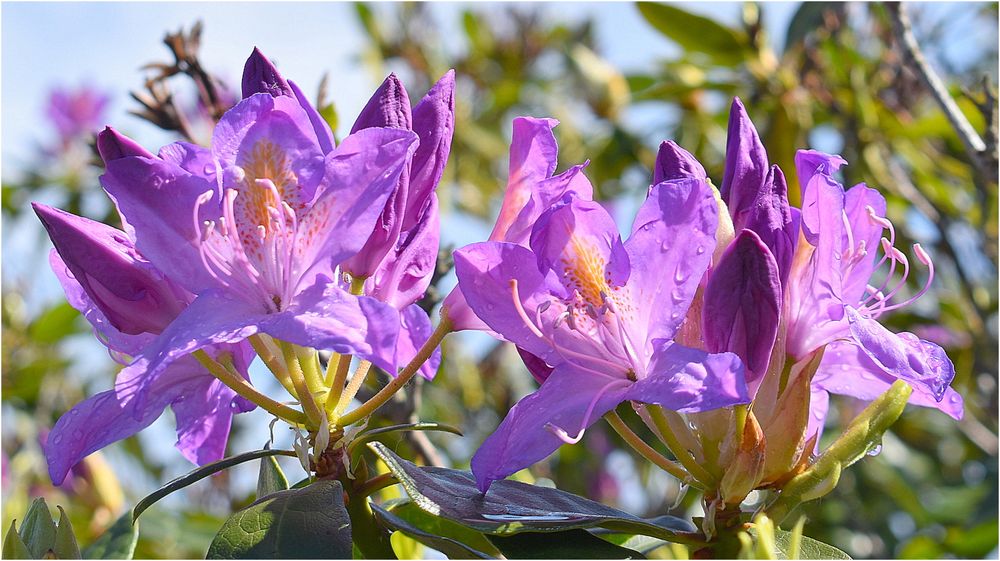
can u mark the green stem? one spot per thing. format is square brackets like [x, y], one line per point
[379, 399]
[375, 484]
[647, 451]
[678, 450]
[368, 535]
[352, 388]
[245, 390]
[309, 361]
[337, 384]
[266, 351]
[312, 410]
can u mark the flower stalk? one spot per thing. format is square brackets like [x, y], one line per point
[241, 387]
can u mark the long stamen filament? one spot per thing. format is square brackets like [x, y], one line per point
[267, 351]
[309, 405]
[357, 379]
[675, 446]
[561, 433]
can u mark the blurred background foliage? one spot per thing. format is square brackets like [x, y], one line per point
[835, 79]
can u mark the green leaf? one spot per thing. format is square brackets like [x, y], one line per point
[13, 546]
[54, 323]
[270, 479]
[201, 473]
[808, 547]
[511, 507]
[808, 18]
[308, 523]
[447, 537]
[38, 531]
[117, 542]
[571, 544]
[723, 45]
[65, 544]
[406, 547]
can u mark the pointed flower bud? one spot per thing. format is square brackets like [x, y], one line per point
[674, 162]
[260, 76]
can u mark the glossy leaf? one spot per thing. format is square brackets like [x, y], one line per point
[808, 547]
[430, 532]
[117, 542]
[511, 507]
[270, 478]
[696, 33]
[570, 544]
[201, 473]
[308, 523]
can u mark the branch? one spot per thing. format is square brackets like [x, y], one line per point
[974, 144]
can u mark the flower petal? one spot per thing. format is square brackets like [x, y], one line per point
[536, 366]
[414, 331]
[389, 106]
[533, 157]
[674, 162]
[404, 275]
[579, 241]
[434, 123]
[864, 231]
[690, 380]
[324, 316]
[903, 355]
[260, 76]
[360, 175]
[323, 133]
[485, 273]
[846, 369]
[570, 400]
[771, 218]
[546, 194]
[112, 145]
[672, 241]
[746, 165]
[743, 303]
[808, 164]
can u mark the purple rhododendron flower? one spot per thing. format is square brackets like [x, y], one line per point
[76, 113]
[833, 304]
[128, 301]
[602, 314]
[257, 225]
[531, 190]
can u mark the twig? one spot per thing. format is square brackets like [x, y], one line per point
[974, 144]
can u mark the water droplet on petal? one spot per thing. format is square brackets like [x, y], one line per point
[700, 250]
[875, 450]
[209, 169]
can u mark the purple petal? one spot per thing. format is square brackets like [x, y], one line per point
[903, 355]
[434, 123]
[403, 277]
[116, 341]
[546, 194]
[389, 106]
[808, 164]
[847, 370]
[194, 159]
[131, 293]
[323, 133]
[113, 145]
[533, 158]
[743, 303]
[579, 241]
[214, 317]
[746, 165]
[771, 218]
[819, 405]
[674, 162]
[204, 417]
[672, 241]
[324, 316]
[415, 330]
[260, 76]
[816, 311]
[690, 380]
[570, 400]
[485, 273]
[360, 175]
[159, 199]
[536, 366]
[863, 230]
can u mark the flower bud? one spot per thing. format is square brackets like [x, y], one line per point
[747, 466]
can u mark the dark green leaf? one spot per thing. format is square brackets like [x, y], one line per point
[270, 479]
[65, 543]
[13, 546]
[696, 33]
[511, 507]
[117, 542]
[38, 531]
[571, 544]
[308, 523]
[451, 547]
[201, 473]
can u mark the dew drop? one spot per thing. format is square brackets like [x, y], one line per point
[665, 245]
[875, 450]
[676, 295]
[700, 250]
[209, 169]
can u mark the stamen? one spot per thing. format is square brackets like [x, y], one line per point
[561, 434]
[924, 258]
[520, 310]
